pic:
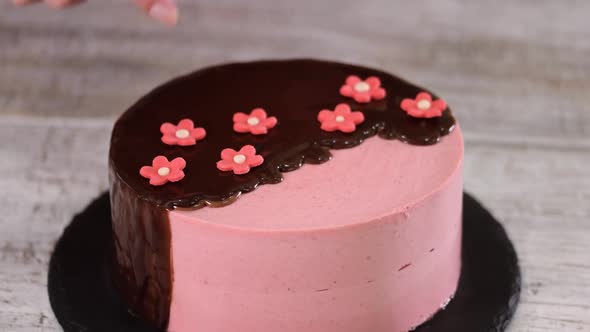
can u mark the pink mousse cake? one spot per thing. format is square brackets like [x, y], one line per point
[291, 196]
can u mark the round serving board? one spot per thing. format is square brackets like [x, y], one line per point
[84, 299]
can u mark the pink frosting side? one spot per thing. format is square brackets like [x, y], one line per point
[369, 241]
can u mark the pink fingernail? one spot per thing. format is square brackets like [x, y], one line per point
[57, 3]
[164, 13]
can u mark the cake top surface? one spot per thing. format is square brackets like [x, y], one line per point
[275, 115]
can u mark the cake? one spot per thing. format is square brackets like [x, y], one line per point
[292, 196]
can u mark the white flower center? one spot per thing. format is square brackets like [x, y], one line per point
[424, 104]
[362, 87]
[339, 118]
[163, 171]
[182, 133]
[239, 159]
[253, 121]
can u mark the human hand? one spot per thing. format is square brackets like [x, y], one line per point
[164, 11]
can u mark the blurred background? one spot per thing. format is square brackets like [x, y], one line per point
[516, 73]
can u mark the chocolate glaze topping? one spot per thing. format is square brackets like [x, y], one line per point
[293, 91]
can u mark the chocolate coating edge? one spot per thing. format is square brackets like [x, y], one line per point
[142, 266]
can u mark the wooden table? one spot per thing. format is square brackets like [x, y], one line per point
[518, 78]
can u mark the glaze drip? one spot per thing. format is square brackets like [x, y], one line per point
[142, 266]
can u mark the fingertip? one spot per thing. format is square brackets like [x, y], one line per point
[58, 3]
[164, 12]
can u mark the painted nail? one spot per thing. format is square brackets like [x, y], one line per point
[165, 13]
[57, 3]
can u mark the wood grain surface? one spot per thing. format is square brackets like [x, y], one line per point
[516, 73]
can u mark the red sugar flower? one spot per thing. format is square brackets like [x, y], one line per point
[239, 161]
[423, 106]
[340, 119]
[163, 170]
[363, 91]
[183, 134]
[256, 122]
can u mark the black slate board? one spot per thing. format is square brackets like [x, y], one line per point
[84, 299]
